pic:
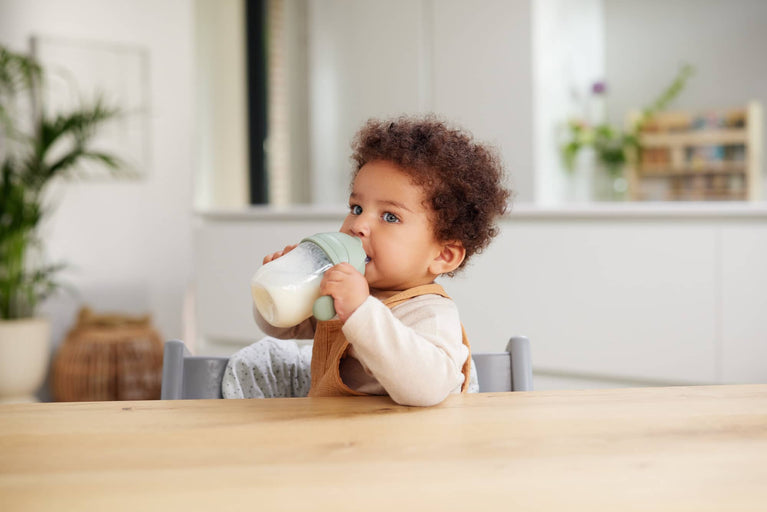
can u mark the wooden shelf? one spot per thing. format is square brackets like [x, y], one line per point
[698, 156]
[721, 167]
[714, 137]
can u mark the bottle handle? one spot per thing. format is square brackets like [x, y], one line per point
[323, 308]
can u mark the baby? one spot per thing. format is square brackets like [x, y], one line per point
[424, 199]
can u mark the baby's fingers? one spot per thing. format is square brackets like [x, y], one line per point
[275, 255]
[344, 269]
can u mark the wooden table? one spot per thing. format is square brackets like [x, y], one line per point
[685, 448]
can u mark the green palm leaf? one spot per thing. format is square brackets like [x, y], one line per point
[57, 144]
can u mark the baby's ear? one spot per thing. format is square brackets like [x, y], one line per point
[449, 258]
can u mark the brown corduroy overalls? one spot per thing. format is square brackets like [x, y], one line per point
[330, 347]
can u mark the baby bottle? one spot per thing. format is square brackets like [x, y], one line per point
[286, 291]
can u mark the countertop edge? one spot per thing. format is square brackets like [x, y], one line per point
[596, 211]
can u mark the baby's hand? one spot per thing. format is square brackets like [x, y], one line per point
[275, 255]
[347, 286]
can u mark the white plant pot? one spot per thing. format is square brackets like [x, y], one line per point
[24, 355]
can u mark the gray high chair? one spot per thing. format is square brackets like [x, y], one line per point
[186, 377]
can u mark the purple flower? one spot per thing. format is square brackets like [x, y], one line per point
[598, 88]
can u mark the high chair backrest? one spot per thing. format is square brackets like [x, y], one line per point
[511, 370]
[185, 376]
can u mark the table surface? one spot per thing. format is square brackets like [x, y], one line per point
[683, 448]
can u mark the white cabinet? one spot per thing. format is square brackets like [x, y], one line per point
[609, 296]
[744, 302]
[634, 299]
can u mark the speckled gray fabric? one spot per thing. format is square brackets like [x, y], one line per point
[273, 368]
[269, 368]
[473, 380]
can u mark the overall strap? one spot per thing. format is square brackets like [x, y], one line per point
[425, 289]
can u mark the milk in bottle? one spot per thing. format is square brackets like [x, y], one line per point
[285, 289]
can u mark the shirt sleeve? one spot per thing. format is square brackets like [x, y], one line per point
[303, 331]
[415, 350]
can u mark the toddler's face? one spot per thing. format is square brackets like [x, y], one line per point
[388, 212]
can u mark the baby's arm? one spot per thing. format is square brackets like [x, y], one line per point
[415, 351]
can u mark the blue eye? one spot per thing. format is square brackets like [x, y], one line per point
[355, 209]
[390, 217]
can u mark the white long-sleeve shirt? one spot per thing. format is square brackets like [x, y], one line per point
[413, 352]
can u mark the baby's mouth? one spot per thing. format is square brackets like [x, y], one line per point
[367, 260]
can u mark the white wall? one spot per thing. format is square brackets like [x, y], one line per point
[512, 72]
[482, 78]
[470, 62]
[363, 62]
[648, 40]
[128, 242]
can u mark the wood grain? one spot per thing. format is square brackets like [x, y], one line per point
[684, 448]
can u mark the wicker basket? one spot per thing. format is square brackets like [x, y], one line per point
[108, 357]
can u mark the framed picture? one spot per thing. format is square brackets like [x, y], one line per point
[80, 72]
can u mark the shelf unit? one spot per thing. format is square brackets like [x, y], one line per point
[698, 156]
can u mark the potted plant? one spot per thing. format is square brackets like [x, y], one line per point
[35, 147]
[611, 145]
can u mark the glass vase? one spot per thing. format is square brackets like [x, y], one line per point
[610, 184]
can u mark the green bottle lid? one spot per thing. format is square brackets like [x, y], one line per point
[339, 248]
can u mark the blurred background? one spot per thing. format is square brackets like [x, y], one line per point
[241, 117]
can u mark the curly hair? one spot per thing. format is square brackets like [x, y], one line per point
[462, 179]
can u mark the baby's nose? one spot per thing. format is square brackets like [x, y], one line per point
[360, 227]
